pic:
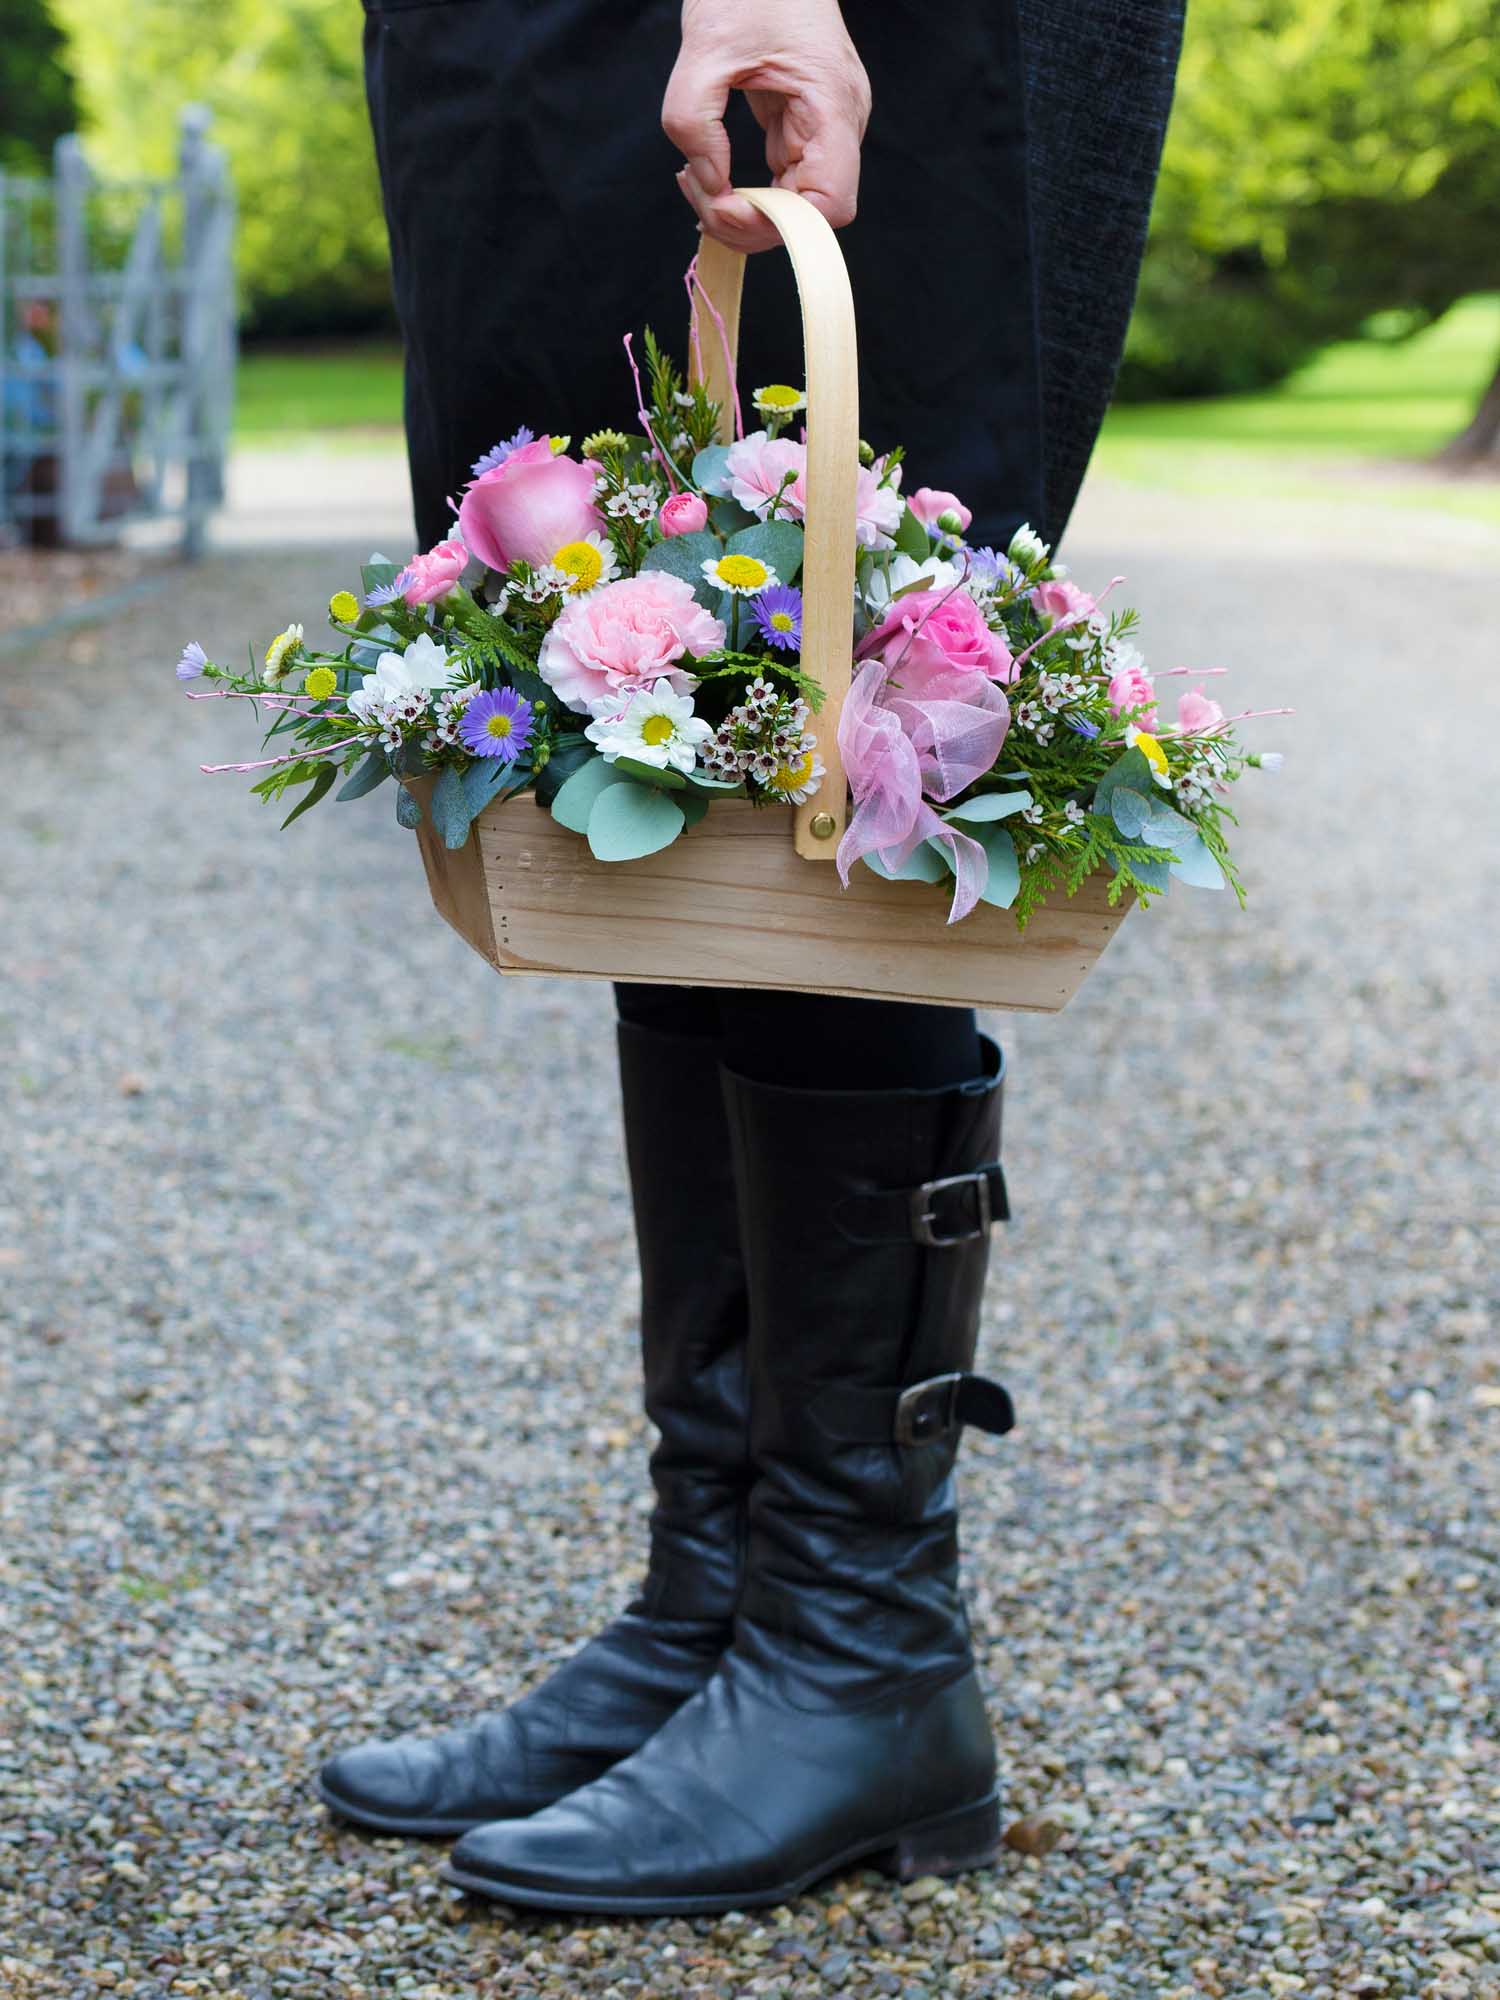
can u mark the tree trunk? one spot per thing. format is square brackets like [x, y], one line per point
[1478, 443]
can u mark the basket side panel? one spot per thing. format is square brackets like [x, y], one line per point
[731, 904]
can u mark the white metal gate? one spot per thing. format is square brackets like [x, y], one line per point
[116, 345]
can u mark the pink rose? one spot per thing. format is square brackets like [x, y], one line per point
[1132, 687]
[530, 507]
[427, 578]
[928, 502]
[929, 629]
[761, 467]
[683, 514]
[1062, 599]
[1195, 712]
[628, 635]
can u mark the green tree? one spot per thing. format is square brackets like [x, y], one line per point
[37, 104]
[284, 84]
[1324, 162]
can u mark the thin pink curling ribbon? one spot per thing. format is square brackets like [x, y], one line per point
[696, 291]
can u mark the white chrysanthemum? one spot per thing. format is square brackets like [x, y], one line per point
[586, 565]
[881, 584]
[280, 654]
[744, 576]
[656, 726]
[797, 781]
[421, 669]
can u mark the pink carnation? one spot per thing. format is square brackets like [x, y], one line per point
[929, 629]
[628, 635]
[1061, 599]
[683, 514]
[761, 467]
[1132, 688]
[529, 507]
[427, 578]
[928, 502]
[1196, 712]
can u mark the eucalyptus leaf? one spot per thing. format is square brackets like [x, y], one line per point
[987, 806]
[684, 556]
[531, 687]
[365, 654]
[651, 774]
[1197, 867]
[728, 517]
[489, 778]
[1166, 827]
[709, 470]
[1129, 769]
[373, 771]
[692, 806]
[778, 544]
[377, 573]
[912, 538]
[451, 812]
[1004, 880]
[570, 752]
[630, 820]
[924, 864]
[408, 809]
[576, 797]
[1130, 812]
[700, 781]
[315, 791]
[1155, 874]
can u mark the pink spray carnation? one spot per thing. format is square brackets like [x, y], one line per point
[760, 468]
[427, 578]
[628, 635]
[926, 629]
[529, 507]
[1195, 711]
[683, 514]
[1132, 687]
[1061, 599]
[929, 502]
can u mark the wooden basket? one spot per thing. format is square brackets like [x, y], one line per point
[734, 901]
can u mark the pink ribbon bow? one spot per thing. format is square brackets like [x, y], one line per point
[926, 738]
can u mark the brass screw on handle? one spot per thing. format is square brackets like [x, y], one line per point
[821, 826]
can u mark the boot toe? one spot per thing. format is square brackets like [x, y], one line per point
[389, 1787]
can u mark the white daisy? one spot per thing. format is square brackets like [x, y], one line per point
[796, 782]
[579, 567]
[656, 726]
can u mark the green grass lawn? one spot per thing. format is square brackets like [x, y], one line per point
[1368, 401]
[282, 393]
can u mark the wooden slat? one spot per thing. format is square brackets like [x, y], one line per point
[730, 904]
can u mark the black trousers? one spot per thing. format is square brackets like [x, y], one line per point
[534, 219]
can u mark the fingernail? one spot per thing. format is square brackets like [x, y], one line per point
[707, 175]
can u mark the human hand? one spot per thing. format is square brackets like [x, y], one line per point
[807, 88]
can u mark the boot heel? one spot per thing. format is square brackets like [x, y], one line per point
[948, 1845]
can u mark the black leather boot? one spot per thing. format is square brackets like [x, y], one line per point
[619, 1689]
[845, 1724]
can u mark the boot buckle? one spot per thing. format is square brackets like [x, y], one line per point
[924, 1215]
[927, 1410]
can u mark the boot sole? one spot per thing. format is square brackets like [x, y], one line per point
[411, 1829]
[950, 1843]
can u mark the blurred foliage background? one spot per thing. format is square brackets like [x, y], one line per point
[1332, 173]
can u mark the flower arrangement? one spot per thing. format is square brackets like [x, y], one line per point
[620, 632]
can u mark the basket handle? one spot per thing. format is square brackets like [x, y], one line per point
[832, 363]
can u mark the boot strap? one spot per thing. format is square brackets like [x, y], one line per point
[957, 1209]
[918, 1414]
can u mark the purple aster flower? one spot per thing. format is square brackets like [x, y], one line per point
[1080, 725]
[387, 593]
[193, 661]
[499, 453]
[497, 723]
[991, 570]
[778, 616]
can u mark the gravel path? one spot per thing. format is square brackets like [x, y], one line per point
[317, 1385]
